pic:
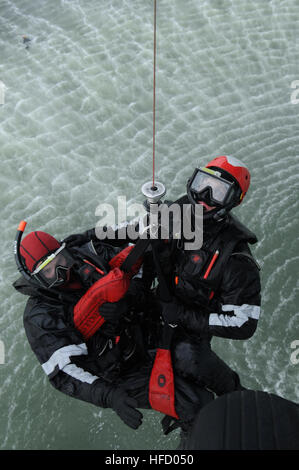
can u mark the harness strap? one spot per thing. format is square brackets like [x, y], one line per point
[161, 386]
[135, 253]
[163, 288]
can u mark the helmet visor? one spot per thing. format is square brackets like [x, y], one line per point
[206, 179]
[52, 271]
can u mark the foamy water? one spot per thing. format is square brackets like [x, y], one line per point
[76, 130]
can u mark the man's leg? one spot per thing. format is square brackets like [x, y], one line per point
[196, 361]
[190, 396]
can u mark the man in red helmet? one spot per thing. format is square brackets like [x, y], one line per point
[57, 280]
[82, 321]
[216, 289]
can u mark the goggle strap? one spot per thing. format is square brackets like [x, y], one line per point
[212, 172]
[48, 259]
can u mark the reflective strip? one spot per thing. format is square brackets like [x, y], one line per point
[241, 315]
[139, 274]
[79, 374]
[61, 357]
[92, 248]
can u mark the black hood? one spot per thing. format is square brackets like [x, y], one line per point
[27, 288]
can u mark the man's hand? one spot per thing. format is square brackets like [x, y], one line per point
[125, 407]
[193, 320]
[171, 311]
[113, 311]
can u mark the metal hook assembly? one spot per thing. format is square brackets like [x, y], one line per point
[154, 193]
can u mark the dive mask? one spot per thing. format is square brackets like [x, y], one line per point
[54, 269]
[208, 185]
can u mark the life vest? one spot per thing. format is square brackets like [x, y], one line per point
[161, 385]
[110, 288]
[198, 273]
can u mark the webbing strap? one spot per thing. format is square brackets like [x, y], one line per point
[135, 254]
[163, 289]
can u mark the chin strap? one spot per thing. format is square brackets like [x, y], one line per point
[220, 215]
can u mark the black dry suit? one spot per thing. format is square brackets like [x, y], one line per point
[118, 355]
[221, 301]
[58, 345]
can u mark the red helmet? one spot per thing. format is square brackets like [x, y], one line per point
[233, 168]
[36, 246]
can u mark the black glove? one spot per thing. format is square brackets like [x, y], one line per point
[79, 239]
[113, 311]
[137, 295]
[194, 321]
[125, 406]
[171, 311]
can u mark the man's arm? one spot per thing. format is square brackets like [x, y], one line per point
[239, 308]
[58, 347]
